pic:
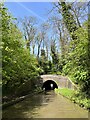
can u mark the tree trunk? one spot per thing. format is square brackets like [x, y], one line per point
[68, 19]
[33, 49]
[38, 51]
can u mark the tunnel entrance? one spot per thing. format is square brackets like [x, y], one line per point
[49, 85]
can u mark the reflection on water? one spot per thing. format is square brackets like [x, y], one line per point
[45, 105]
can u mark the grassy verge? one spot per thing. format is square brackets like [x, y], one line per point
[65, 92]
[75, 97]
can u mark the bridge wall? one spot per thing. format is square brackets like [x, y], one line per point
[61, 81]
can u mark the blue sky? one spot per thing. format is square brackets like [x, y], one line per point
[38, 9]
[21, 9]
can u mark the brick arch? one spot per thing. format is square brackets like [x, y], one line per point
[51, 80]
[61, 81]
[49, 85]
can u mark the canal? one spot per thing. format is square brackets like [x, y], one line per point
[45, 105]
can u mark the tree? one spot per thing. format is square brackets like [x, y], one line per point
[19, 67]
[43, 62]
[60, 30]
[44, 29]
[54, 54]
[39, 42]
[29, 29]
[77, 67]
[33, 43]
[79, 10]
[68, 18]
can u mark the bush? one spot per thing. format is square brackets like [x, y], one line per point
[77, 65]
[19, 66]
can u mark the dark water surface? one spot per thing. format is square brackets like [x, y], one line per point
[45, 105]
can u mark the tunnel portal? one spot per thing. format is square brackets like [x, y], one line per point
[49, 85]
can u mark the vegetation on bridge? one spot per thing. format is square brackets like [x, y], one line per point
[21, 66]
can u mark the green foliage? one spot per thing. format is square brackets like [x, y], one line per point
[65, 92]
[44, 63]
[19, 66]
[77, 62]
[54, 55]
[81, 100]
[68, 19]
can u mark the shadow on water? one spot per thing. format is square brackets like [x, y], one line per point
[45, 105]
[30, 105]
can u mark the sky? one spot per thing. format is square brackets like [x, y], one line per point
[37, 9]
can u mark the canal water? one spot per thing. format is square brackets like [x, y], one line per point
[45, 105]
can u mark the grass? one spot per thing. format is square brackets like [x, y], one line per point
[65, 92]
[74, 97]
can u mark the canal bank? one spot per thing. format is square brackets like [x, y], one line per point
[75, 97]
[18, 99]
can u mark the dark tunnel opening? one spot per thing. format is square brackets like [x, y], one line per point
[49, 85]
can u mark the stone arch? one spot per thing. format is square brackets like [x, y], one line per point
[49, 85]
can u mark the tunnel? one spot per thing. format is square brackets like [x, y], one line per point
[49, 85]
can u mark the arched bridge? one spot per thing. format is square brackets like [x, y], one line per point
[56, 81]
